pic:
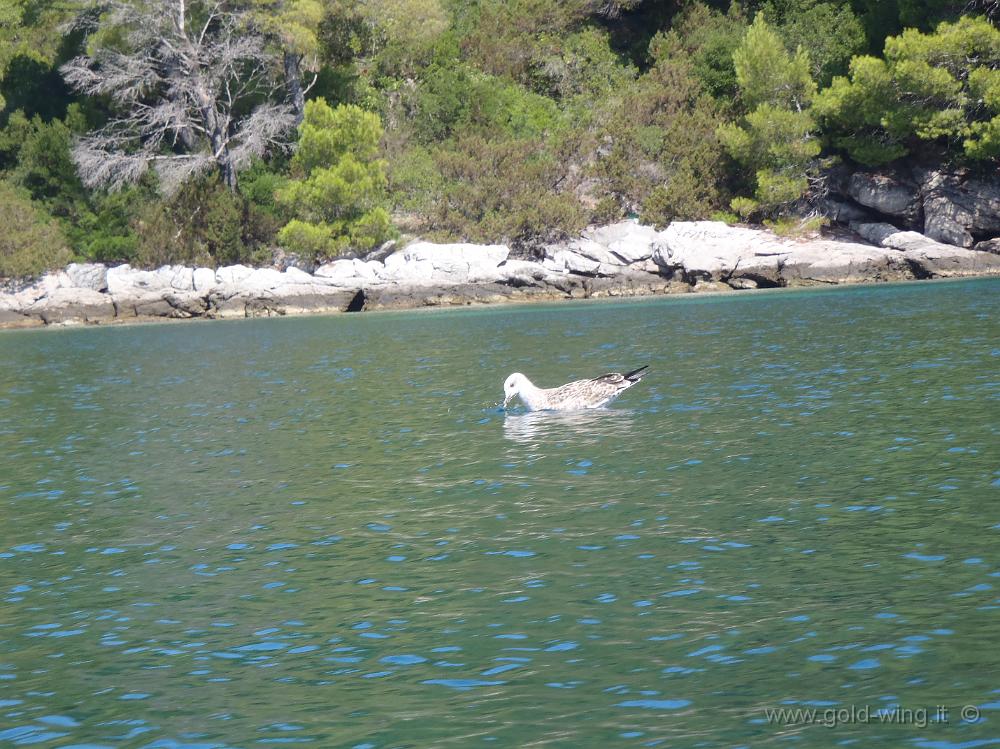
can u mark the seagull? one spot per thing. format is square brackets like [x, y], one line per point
[573, 395]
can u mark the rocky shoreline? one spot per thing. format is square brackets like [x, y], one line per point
[620, 260]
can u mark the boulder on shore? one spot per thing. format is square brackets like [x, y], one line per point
[957, 207]
[957, 210]
[888, 192]
[928, 258]
[426, 263]
[92, 276]
[73, 305]
[711, 251]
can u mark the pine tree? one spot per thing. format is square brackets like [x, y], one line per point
[337, 193]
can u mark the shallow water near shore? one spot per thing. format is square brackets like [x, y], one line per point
[322, 530]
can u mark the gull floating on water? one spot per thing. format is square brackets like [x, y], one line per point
[573, 395]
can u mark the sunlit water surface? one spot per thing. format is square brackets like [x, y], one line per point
[323, 532]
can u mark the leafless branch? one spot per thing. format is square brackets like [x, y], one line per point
[179, 98]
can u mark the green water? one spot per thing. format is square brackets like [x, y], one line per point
[322, 531]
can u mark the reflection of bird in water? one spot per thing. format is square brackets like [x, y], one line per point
[577, 426]
[572, 396]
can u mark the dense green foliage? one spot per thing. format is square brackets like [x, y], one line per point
[337, 192]
[774, 141]
[499, 120]
[31, 241]
[931, 88]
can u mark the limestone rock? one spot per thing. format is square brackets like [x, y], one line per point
[990, 245]
[566, 261]
[313, 298]
[10, 318]
[630, 241]
[232, 275]
[524, 273]
[351, 272]
[203, 279]
[587, 249]
[284, 260]
[831, 262]
[294, 275]
[73, 305]
[628, 284]
[958, 209]
[930, 259]
[887, 192]
[402, 297]
[124, 280]
[424, 263]
[715, 251]
[703, 286]
[623, 259]
[264, 279]
[181, 277]
[186, 304]
[711, 251]
[224, 301]
[26, 296]
[93, 276]
[145, 304]
[52, 281]
[887, 235]
[842, 211]
[945, 261]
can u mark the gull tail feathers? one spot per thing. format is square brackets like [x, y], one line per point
[636, 374]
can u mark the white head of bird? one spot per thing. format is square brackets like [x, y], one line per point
[512, 386]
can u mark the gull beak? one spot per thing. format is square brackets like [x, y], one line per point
[507, 400]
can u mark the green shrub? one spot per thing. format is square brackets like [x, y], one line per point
[829, 30]
[104, 232]
[97, 224]
[414, 180]
[584, 66]
[941, 88]
[503, 189]
[706, 39]
[452, 100]
[38, 153]
[31, 242]
[660, 155]
[774, 141]
[202, 224]
[509, 37]
[725, 216]
[337, 193]
[797, 226]
[265, 216]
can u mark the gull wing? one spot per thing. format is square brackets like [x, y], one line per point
[617, 378]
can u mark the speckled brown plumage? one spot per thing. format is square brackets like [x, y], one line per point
[572, 396]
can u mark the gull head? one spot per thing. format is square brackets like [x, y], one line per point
[512, 386]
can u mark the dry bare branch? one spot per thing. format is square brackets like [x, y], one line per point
[179, 84]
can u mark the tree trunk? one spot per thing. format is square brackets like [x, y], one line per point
[228, 173]
[216, 131]
[220, 149]
[293, 82]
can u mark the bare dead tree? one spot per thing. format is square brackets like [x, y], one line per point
[612, 9]
[192, 86]
[989, 8]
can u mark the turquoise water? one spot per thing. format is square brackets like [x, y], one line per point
[322, 531]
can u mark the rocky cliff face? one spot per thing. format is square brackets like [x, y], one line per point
[624, 259]
[957, 208]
